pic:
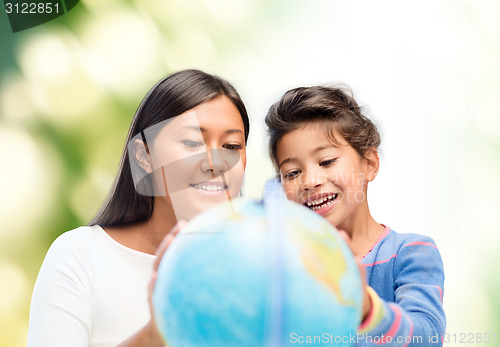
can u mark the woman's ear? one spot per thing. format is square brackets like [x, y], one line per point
[372, 163]
[142, 157]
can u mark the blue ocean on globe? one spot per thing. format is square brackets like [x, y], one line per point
[249, 273]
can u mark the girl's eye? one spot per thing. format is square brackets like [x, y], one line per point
[327, 162]
[232, 146]
[291, 175]
[192, 143]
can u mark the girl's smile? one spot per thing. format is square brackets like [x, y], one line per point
[321, 203]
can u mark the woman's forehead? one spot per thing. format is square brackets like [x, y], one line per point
[188, 120]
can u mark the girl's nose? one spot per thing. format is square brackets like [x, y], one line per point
[312, 180]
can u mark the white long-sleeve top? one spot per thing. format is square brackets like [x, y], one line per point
[90, 291]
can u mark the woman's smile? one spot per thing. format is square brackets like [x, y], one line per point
[211, 188]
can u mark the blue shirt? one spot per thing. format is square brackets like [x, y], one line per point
[406, 271]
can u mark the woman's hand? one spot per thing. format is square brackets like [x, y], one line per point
[149, 335]
[167, 240]
[367, 302]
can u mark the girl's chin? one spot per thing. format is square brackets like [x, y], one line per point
[332, 217]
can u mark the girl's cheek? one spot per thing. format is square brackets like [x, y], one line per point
[290, 192]
[292, 196]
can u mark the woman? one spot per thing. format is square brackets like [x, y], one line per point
[185, 152]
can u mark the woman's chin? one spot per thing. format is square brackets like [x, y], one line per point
[192, 201]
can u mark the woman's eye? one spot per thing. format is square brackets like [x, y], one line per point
[291, 175]
[192, 143]
[327, 162]
[232, 146]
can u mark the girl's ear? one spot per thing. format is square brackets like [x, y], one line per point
[141, 155]
[372, 163]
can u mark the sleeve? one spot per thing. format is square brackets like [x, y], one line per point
[60, 311]
[416, 318]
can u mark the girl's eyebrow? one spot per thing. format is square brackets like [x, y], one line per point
[317, 149]
[320, 148]
[287, 160]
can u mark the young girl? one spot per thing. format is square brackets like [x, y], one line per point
[325, 152]
[185, 152]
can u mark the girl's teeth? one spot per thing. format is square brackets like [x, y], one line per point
[316, 204]
[315, 208]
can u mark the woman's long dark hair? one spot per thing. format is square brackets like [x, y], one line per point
[168, 98]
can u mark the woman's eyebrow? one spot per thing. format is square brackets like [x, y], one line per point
[232, 131]
[191, 127]
[204, 130]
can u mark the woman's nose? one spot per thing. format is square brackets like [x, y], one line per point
[215, 161]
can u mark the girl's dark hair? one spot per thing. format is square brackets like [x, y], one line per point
[169, 98]
[333, 109]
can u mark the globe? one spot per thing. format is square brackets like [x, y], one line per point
[258, 273]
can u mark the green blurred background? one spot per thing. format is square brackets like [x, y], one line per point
[427, 72]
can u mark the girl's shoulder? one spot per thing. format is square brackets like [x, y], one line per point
[398, 241]
[412, 248]
[411, 253]
[395, 245]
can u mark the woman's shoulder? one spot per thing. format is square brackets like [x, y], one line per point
[77, 237]
[96, 245]
[69, 258]
[75, 243]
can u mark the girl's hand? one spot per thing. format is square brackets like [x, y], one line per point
[367, 303]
